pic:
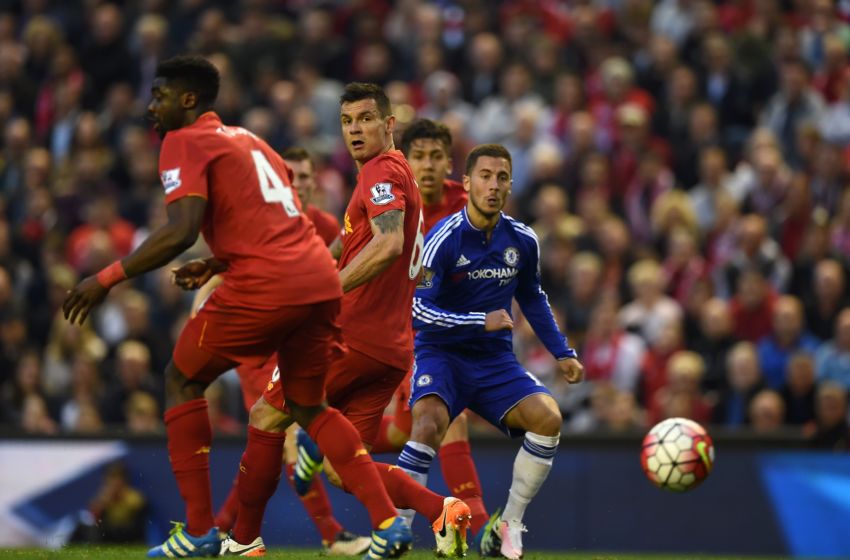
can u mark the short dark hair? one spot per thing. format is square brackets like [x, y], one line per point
[491, 150]
[193, 73]
[426, 129]
[296, 153]
[356, 91]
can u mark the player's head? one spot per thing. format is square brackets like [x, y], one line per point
[367, 120]
[488, 179]
[427, 145]
[303, 173]
[184, 88]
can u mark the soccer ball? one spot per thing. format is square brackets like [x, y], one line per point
[677, 454]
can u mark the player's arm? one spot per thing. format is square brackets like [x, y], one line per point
[336, 247]
[185, 216]
[535, 305]
[204, 292]
[427, 315]
[386, 245]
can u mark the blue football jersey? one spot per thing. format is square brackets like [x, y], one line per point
[465, 276]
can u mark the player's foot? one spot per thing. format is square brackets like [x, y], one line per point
[347, 544]
[308, 463]
[450, 528]
[390, 542]
[488, 541]
[511, 535]
[181, 544]
[230, 547]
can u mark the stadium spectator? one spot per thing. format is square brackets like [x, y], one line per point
[744, 380]
[681, 397]
[788, 335]
[714, 341]
[831, 430]
[832, 359]
[651, 310]
[767, 411]
[798, 392]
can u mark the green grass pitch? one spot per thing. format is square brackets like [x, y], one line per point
[130, 552]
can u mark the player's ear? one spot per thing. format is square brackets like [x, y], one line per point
[189, 100]
[390, 124]
[467, 183]
[451, 166]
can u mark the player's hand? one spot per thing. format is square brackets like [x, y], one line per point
[571, 369]
[196, 273]
[498, 320]
[80, 300]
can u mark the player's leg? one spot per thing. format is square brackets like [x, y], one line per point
[459, 470]
[514, 400]
[252, 381]
[189, 435]
[395, 430]
[335, 539]
[362, 387]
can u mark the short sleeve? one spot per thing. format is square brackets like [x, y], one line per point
[183, 168]
[385, 188]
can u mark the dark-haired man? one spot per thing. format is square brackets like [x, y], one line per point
[230, 185]
[475, 263]
[380, 257]
[427, 145]
[304, 183]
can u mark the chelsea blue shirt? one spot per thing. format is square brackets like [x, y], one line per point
[466, 276]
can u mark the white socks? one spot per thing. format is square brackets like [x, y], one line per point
[415, 459]
[531, 467]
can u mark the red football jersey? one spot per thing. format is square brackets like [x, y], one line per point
[376, 317]
[327, 226]
[253, 220]
[454, 199]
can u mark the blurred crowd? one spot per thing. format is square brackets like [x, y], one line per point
[684, 162]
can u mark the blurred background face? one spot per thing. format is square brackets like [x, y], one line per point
[303, 180]
[743, 372]
[767, 412]
[831, 406]
[787, 319]
[716, 319]
[801, 374]
[431, 164]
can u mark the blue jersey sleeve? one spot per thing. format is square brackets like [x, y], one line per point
[427, 314]
[534, 303]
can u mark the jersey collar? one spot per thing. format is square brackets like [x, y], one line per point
[473, 228]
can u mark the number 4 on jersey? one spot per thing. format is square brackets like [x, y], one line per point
[274, 190]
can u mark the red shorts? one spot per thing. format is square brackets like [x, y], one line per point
[255, 380]
[361, 387]
[222, 336]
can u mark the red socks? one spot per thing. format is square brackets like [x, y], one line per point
[406, 493]
[227, 514]
[340, 442]
[462, 479]
[318, 507]
[259, 473]
[189, 440]
[382, 442]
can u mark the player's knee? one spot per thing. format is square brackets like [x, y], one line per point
[549, 423]
[180, 389]
[430, 422]
[304, 415]
[264, 416]
[458, 430]
[332, 475]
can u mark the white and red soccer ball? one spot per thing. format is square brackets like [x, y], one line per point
[677, 454]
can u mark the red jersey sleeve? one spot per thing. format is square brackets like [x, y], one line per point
[183, 167]
[385, 190]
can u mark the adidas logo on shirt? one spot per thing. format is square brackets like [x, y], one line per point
[462, 261]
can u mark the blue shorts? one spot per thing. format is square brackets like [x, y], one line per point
[489, 385]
